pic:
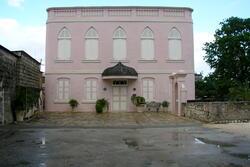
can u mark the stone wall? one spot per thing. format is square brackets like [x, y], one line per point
[217, 111]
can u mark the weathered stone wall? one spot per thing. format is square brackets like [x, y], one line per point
[217, 111]
[8, 77]
[28, 71]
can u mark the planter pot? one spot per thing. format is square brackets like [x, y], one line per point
[165, 109]
[29, 113]
[20, 115]
[105, 109]
[140, 108]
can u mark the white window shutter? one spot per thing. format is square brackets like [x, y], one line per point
[91, 44]
[64, 45]
[147, 49]
[147, 44]
[63, 89]
[174, 45]
[119, 44]
[119, 49]
[148, 89]
[175, 49]
[91, 89]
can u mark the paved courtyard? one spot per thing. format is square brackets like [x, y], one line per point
[119, 140]
[122, 119]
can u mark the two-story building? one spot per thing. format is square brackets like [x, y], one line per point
[115, 52]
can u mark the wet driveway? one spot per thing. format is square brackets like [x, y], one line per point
[182, 146]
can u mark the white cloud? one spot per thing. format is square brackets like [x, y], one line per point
[31, 39]
[200, 38]
[15, 3]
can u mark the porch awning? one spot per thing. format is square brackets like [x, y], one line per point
[119, 71]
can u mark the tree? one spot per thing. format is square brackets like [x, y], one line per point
[229, 56]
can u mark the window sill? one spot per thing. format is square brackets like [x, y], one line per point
[63, 61]
[116, 61]
[88, 102]
[147, 61]
[61, 101]
[91, 61]
[174, 61]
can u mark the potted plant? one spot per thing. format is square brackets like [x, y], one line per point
[165, 105]
[101, 105]
[73, 104]
[139, 102]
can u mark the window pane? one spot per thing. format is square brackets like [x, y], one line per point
[175, 49]
[119, 49]
[63, 89]
[91, 49]
[147, 49]
[93, 96]
[88, 96]
[64, 49]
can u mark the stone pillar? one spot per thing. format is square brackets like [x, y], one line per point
[179, 92]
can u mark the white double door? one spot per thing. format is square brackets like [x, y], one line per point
[119, 102]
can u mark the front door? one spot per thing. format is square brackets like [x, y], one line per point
[119, 102]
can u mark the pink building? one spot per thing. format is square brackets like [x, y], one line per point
[115, 52]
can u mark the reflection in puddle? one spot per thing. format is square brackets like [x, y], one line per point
[42, 165]
[197, 141]
[241, 156]
[131, 143]
[43, 140]
[217, 143]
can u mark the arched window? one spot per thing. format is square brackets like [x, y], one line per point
[174, 45]
[64, 45]
[91, 44]
[63, 86]
[147, 44]
[148, 89]
[119, 44]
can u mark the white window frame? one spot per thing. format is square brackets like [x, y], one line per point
[64, 38]
[91, 38]
[119, 38]
[174, 43]
[90, 90]
[146, 90]
[63, 91]
[147, 41]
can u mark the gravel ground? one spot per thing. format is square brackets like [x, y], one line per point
[241, 129]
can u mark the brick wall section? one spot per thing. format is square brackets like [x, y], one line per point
[217, 111]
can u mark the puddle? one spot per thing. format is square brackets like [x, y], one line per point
[42, 165]
[131, 143]
[19, 141]
[8, 135]
[24, 162]
[43, 154]
[43, 140]
[200, 140]
[197, 141]
[240, 155]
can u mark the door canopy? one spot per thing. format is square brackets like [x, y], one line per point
[119, 71]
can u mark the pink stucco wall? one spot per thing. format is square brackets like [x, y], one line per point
[77, 71]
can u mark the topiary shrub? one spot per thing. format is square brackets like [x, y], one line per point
[140, 100]
[73, 103]
[165, 104]
[100, 105]
[137, 100]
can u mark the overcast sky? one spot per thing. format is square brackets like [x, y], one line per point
[22, 22]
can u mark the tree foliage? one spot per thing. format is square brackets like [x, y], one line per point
[229, 56]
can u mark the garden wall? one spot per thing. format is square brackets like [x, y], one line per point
[218, 112]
